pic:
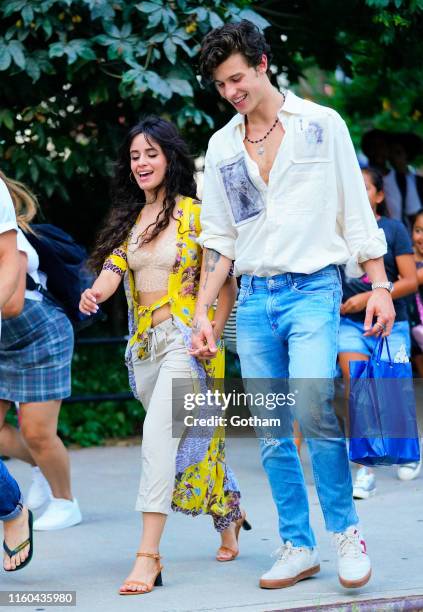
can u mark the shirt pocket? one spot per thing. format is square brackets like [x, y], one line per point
[306, 188]
[244, 198]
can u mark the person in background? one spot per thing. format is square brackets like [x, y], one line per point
[403, 187]
[16, 517]
[35, 371]
[400, 269]
[410, 471]
[150, 239]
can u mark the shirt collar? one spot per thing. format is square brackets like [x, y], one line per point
[293, 105]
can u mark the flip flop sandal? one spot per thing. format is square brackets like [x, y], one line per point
[12, 553]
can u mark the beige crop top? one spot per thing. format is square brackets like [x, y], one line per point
[151, 266]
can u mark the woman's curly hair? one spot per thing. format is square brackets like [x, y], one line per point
[127, 197]
[242, 37]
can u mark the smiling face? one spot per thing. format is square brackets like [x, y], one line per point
[240, 84]
[148, 163]
[418, 235]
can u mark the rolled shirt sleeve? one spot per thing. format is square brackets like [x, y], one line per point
[365, 240]
[217, 231]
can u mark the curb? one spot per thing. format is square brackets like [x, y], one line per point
[411, 603]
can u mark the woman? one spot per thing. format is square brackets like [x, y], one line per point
[35, 371]
[150, 238]
[401, 271]
[409, 471]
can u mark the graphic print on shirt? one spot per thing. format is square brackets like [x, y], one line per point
[243, 196]
[311, 142]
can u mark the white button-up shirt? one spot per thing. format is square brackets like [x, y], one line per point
[314, 210]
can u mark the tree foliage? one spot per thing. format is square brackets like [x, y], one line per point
[371, 51]
[74, 74]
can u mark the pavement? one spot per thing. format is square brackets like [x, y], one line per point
[94, 557]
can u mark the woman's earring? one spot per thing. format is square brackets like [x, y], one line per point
[131, 177]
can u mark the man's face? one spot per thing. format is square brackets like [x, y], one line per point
[240, 84]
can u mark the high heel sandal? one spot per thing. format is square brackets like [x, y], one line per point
[157, 580]
[242, 522]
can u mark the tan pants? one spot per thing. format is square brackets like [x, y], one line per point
[168, 359]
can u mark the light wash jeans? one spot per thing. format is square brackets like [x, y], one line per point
[10, 495]
[287, 327]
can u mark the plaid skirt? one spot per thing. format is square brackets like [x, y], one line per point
[35, 354]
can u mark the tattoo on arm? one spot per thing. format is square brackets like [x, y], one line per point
[210, 261]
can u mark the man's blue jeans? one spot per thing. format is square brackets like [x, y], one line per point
[10, 495]
[287, 327]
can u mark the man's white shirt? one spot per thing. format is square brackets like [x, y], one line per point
[314, 211]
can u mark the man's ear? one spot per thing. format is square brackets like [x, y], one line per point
[262, 67]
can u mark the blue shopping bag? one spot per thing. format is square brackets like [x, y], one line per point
[382, 411]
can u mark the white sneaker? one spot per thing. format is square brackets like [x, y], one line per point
[59, 514]
[364, 484]
[409, 471]
[354, 568]
[39, 492]
[293, 563]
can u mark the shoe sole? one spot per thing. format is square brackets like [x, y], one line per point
[364, 494]
[412, 476]
[57, 527]
[287, 582]
[355, 584]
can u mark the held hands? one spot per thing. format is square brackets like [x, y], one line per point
[379, 305]
[204, 339]
[88, 303]
[356, 303]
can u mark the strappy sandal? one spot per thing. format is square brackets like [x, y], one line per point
[156, 582]
[29, 540]
[242, 522]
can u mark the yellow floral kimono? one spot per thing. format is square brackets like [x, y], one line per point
[204, 484]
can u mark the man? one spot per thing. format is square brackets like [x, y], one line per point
[17, 520]
[293, 162]
[403, 188]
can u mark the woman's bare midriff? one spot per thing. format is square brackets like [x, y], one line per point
[162, 313]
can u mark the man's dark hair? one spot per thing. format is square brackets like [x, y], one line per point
[241, 37]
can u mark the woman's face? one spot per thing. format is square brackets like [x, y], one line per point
[148, 163]
[375, 196]
[418, 235]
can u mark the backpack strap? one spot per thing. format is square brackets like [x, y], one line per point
[31, 285]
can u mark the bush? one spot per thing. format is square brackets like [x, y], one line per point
[98, 370]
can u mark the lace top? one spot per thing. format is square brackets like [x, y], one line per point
[152, 266]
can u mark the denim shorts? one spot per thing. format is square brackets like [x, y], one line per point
[351, 339]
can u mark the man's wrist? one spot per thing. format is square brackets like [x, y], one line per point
[387, 285]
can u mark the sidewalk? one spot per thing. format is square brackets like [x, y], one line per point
[94, 557]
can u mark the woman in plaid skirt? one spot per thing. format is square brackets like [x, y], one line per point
[35, 372]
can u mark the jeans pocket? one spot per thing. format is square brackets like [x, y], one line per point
[314, 285]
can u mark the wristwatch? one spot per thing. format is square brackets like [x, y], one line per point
[385, 285]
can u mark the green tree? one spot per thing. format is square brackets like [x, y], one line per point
[75, 74]
[370, 51]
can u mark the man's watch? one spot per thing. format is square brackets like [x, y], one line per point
[385, 285]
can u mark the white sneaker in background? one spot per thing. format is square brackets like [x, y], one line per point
[59, 514]
[354, 567]
[293, 563]
[409, 471]
[365, 484]
[39, 492]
